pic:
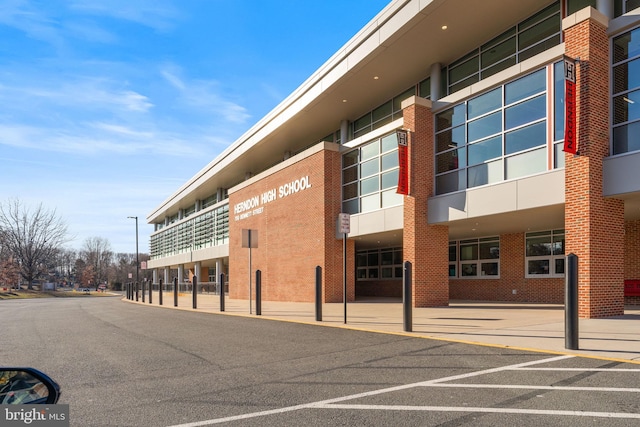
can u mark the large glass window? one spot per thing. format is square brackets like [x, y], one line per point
[530, 37]
[626, 92]
[370, 176]
[201, 230]
[624, 6]
[379, 264]
[381, 115]
[575, 5]
[501, 134]
[544, 255]
[558, 114]
[476, 257]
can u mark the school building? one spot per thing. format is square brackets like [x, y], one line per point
[447, 131]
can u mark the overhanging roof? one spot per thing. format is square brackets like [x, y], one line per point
[398, 47]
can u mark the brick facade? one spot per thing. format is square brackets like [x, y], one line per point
[425, 246]
[296, 232]
[594, 225]
[512, 285]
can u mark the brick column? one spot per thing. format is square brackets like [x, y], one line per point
[425, 246]
[332, 270]
[594, 225]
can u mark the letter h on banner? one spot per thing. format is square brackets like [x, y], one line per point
[570, 143]
[403, 162]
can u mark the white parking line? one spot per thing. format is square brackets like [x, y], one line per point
[579, 369]
[539, 387]
[485, 410]
[335, 403]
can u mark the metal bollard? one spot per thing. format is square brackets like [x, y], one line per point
[318, 294]
[258, 292]
[195, 292]
[221, 291]
[175, 291]
[406, 297]
[160, 294]
[150, 291]
[571, 303]
[136, 291]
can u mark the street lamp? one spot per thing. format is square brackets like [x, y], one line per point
[137, 256]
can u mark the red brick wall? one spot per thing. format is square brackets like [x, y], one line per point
[512, 277]
[296, 233]
[594, 225]
[379, 288]
[333, 270]
[425, 246]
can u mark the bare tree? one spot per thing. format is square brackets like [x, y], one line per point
[9, 273]
[88, 276]
[32, 237]
[97, 253]
[66, 261]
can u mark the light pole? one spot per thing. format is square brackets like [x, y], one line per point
[137, 256]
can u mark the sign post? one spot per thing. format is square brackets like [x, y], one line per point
[249, 240]
[344, 224]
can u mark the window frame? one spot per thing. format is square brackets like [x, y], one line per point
[374, 271]
[359, 198]
[477, 263]
[549, 257]
[455, 122]
[619, 127]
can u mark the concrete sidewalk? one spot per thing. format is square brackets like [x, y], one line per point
[537, 327]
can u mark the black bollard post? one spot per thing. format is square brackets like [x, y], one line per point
[160, 294]
[258, 292]
[406, 297]
[221, 291]
[195, 292]
[175, 291]
[318, 294]
[136, 291]
[571, 337]
[150, 291]
[144, 288]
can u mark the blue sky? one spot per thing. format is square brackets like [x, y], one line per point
[108, 106]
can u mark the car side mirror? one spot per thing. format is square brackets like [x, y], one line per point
[27, 386]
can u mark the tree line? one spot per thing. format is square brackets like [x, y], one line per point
[33, 252]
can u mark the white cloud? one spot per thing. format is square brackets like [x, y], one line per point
[204, 95]
[135, 102]
[158, 14]
[31, 19]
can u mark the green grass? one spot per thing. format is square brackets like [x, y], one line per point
[26, 294]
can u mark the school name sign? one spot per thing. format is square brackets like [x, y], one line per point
[255, 205]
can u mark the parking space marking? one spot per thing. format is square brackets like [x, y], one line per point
[538, 387]
[484, 410]
[330, 403]
[578, 369]
[339, 402]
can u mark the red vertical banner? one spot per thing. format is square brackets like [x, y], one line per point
[570, 142]
[403, 162]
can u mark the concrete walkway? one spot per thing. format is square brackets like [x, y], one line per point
[537, 327]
